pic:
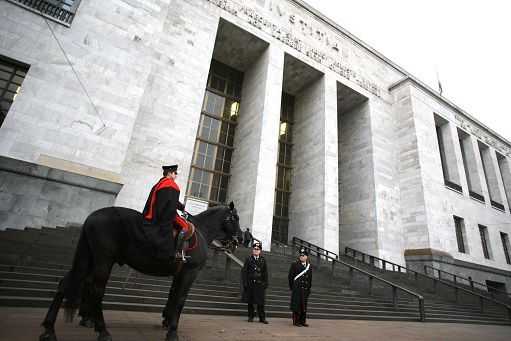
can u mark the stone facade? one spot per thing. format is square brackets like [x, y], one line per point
[119, 92]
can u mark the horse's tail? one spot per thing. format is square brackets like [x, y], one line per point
[74, 280]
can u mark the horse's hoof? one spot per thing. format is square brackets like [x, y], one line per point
[104, 337]
[172, 336]
[87, 323]
[48, 337]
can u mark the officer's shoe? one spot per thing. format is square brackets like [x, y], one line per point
[250, 319]
[305, 324]
[264, 321]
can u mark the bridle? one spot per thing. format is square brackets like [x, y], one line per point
[230, 221]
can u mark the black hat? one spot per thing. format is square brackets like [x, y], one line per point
[169, 169]
[303, 252]
[257, 244]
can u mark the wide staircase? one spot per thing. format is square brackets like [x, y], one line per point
[32, 261]
[437, 285]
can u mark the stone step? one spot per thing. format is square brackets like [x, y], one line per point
[229, 293]
[43, 251]
[109, 305]
[219, 299]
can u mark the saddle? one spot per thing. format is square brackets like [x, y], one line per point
[185, 246]
[189, 234]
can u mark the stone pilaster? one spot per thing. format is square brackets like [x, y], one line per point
[505, 171]
[252, 185]
[314, 210]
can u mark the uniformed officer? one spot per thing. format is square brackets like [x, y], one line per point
[254, 277]
[162, 203]
[300, 281]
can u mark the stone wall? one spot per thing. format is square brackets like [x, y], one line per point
[33, 195]
[441, 203]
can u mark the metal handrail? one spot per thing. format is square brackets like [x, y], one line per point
[302, 242]
[457, 288]
[370, 276]
[471, 282]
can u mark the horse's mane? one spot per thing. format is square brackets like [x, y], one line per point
[210, 211]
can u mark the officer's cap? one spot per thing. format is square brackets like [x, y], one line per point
[303, 252]
[169, 169]
[257, 245]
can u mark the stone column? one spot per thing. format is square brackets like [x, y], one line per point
[480, 171]
[458, 158]
[491, 173]
[499, 179]
[252, 184]
[331, 167]
[451, 162]
[470, 164]
[170, 109]
[505, 171]
[314, 204]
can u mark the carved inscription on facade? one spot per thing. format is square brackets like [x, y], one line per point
[482, 135]
[329, 57]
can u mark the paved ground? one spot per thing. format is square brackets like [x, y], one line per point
[20, 324]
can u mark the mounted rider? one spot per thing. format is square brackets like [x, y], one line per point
[162, 205]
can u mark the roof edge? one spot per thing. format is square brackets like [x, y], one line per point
[437, 96]
[407, 75]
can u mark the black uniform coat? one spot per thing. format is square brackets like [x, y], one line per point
[300, 288]
[254, 279]
[155, 234]
[161, 205]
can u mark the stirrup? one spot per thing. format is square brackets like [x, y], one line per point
[181, 257]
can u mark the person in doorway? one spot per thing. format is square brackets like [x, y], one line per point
[254, 277]
[300, 281]
[162, 205]
[247, 237]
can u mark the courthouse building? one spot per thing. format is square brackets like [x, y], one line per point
[310, 131]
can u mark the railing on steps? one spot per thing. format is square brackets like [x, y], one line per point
[317, 249]
[321, 253]
[375, 261]
[470, 282]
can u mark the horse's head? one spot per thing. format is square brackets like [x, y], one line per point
[221, 223]
[231, 224]
[229, 232]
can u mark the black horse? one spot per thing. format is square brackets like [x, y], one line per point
[105, 240]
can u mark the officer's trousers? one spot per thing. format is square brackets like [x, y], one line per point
[260, 311]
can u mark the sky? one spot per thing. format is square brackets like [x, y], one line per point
[467, 42]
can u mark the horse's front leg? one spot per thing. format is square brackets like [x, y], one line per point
[180, 288]
[165, 312]
[101, 275]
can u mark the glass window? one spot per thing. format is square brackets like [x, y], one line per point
[11, 76]
[231, 110]
[215, 136]
[284, 170]
[218, 83]
[213, 104]
[62, 11]
[483, 232]
[505, 244]
[460, 233]
[227, 134]
[209, 128]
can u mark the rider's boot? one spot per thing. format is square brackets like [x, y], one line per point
[180, 254]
